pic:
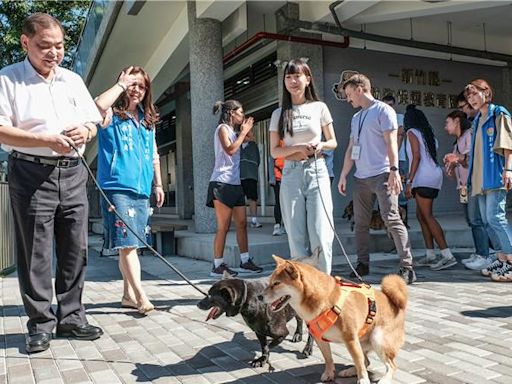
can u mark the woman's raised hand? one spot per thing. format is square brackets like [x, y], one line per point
[126, 79]
[247, 125]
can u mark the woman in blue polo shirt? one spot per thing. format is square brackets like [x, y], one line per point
[490, 172]
[128, 164]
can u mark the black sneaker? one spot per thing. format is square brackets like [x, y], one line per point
[219, 271]
[362, 269]
[249, 266]
[408, 275]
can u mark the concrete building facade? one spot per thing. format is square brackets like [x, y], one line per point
[201, 51]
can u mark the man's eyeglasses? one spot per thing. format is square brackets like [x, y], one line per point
[462, 106]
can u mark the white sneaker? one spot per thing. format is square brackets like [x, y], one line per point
[479, 263]
[282, 231]
[277, 230]
[470, 259]
[443, 263]
[255, 224]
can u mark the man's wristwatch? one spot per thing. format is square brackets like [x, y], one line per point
[393, 169]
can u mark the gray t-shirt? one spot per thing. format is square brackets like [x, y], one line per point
[367, 129]
[308, 120]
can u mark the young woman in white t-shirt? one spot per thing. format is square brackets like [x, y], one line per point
[425, 181]
[306, 201]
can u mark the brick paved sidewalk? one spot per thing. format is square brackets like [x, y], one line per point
[459, 330]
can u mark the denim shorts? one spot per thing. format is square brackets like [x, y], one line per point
[135, 211]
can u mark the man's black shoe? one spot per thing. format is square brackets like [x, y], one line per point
[362, 269]
[38, 342]
[81, 332]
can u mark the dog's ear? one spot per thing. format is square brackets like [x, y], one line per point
[312, 260]
[233, 295]
[278, 259]
[291, 270]
[226, 275]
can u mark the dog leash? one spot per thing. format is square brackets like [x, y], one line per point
[333, 229]
[112, 208]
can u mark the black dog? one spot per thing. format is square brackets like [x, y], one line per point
[235, 296]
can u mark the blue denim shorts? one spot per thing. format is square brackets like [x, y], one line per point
[135, 211]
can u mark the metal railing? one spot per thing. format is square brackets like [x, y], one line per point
[7, 241]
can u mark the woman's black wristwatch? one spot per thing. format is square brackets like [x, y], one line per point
[393, 168]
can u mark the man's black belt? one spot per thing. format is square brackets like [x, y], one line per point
[59, 162]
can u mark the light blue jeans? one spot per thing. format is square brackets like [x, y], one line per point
[478, 229]
[303, 186]
[492, 209]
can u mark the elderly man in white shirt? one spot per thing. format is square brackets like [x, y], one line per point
[46, 112]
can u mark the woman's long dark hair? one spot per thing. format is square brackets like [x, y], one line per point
[286, 118]
[415, 118]
[225, 108]
[150, 114]
[464, 122]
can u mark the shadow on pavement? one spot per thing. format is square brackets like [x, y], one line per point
[496, 312]
[216, 358]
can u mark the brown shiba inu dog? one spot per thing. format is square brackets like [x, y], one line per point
[311, 293]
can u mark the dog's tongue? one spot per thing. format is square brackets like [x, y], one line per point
[212, 313]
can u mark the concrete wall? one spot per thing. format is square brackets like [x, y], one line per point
[379, 66]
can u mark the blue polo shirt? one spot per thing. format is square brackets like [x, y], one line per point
[125, 156]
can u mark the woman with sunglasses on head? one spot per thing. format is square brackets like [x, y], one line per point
[490, 173]
[128, 165]
[225, 192]
[306, 201]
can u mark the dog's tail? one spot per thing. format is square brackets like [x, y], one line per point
[394, 287]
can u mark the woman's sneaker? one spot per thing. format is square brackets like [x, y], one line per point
[426, 261]
[249, 266]
[443, 263]
[470, 259]
[408, 275]
[219, 271]
[504, 274]
[495, 265]
[479, 263]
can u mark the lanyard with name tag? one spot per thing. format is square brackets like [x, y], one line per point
[356, 148]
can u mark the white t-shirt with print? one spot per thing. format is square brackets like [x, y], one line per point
[367, 129]
[308, 120]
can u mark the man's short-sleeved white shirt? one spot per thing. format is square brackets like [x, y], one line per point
[367, 129]
[33, 104]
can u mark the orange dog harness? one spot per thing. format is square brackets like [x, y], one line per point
[320, 324]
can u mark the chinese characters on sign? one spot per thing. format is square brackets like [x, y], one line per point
[427, 98]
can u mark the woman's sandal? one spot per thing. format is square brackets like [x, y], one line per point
[145, 306]
[128, 303]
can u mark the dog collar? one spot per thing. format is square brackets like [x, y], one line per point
[320, 324]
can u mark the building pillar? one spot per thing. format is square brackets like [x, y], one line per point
[206, 87]
[184, 158]
[289, 50]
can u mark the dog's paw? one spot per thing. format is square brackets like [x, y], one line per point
[348, 372]
[328, 375]
[259, 362]
[297, 337]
